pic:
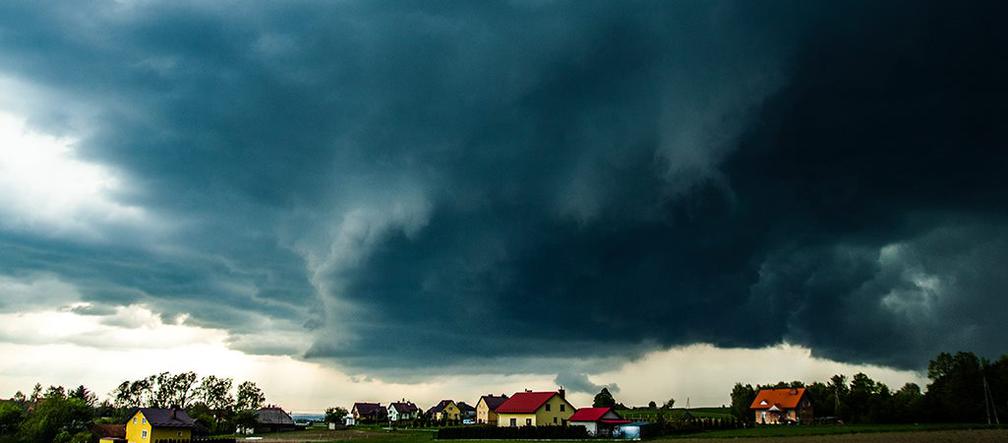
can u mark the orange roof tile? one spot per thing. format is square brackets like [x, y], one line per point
[785, 398]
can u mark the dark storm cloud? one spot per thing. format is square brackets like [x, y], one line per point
[580, 383]
[422, 184]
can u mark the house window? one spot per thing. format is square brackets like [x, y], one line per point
[562, 407]
[554, 420]
[514, 422]
[143, 434]
[143, 420]
[528, 422]
[547, 407]
[134, 420]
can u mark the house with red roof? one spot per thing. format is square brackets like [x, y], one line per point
[535, 409]
[782, 406]
[599, 422]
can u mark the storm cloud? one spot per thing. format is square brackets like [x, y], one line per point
[414, 185]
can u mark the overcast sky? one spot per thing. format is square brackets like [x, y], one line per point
[372, 200]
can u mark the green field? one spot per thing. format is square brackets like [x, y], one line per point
[795, 434]
[648, 414]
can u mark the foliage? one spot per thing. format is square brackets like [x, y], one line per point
[249, 396]
[57, 418]
[604, 399]
[335, 414]
[651, 404]
[741, 397]
[670, 403]
[11, 415]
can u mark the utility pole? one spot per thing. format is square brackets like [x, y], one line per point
[986, 399]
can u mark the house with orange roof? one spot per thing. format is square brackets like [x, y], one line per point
[535, 409]
[782, 406]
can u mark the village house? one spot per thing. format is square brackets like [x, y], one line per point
[148, 425]
[599, 422]
[368, 412]
[445, 410]
[782, 406]
[270, 419]
[535, 409]
[467, 413]
[402, 411]
[486, 409]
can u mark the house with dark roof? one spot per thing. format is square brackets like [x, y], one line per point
[147, 425]
[782, 406]
[445, 411]
[403, 411]
[486, 409]
[273, 419]
[368, 412]
[599, 422]
[109, 433]
[529, 408]
[467, 413]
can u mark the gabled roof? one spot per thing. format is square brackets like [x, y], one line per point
[525, 402]
[784, 398]
[493, 401]
[109, 430]
[440, 406]
[596, 414]
[366, 408]
[404, 407]
[273, 416]
[166, 418]
[464, 407]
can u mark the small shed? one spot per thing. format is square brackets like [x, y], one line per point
[599, 422]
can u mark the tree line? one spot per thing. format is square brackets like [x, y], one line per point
[963, 388]
[61, 416]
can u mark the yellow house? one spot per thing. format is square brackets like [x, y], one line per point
[445, 410]
[148, 425]
[535, 409]
[486, 409]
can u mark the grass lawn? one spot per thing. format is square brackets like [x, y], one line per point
[790, 434]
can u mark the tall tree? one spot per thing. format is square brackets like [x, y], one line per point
[249, 397]
[604, 399]
[742, 397]
[215, 393]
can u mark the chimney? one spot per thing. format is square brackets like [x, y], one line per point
[794, 391]
[562, 392]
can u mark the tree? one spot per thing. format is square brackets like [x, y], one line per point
[669, 404]
[604, 399]
[742, 397]
[36, 394]
[11, 416]
[652, 405]
[956, 390]
[85, 395]
[249, 396]
[182, 389]
[57, 419]
[215, 393]
[245, 418]
[335, 414]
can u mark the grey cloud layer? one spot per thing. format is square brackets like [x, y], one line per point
[419, 184]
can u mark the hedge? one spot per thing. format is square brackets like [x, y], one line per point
[513, 433]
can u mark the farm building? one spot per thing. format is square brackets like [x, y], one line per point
[486, 409]
[368, 412]
[535, 409]
[271, 419]
[152, 424]
[599, 422]
[403, 410]
[782, 406]
[445, 410]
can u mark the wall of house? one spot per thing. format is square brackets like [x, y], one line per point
[484, 415]
[170, 434]
[135, 429]
[504, 420]
[554, 412]
[450, 412]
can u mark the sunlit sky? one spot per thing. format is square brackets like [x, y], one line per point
[367, 201]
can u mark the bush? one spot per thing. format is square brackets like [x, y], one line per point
[512, 433]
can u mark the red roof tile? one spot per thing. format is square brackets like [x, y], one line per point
[784, 398]
[590, 414]
[524, 402]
